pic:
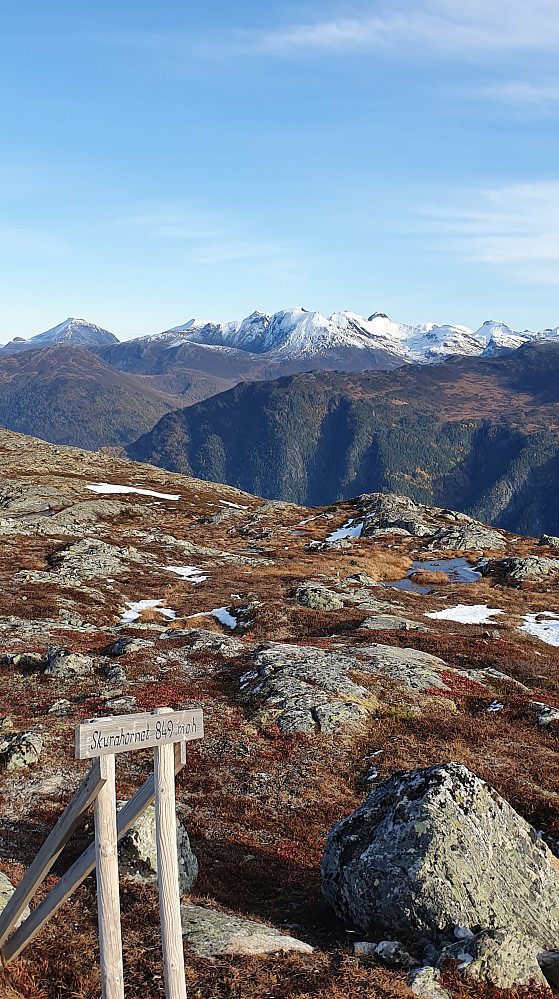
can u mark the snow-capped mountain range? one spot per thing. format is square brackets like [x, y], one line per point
[295, 335]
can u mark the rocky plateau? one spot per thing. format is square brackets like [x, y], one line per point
[374, 808]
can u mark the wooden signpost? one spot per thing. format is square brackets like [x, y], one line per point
[99, 739]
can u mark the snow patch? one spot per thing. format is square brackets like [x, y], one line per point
[223, 616]
[546, 630]
[466, 614]
[135, 608]
[110, 487]
[190, 572]
[349, 530]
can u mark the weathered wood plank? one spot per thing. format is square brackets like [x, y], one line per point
[83, 866]
[108, 897]
[167, 873]
[52, 847]
[101, 736]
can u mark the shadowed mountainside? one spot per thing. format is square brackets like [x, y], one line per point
[66, 395]
[476, 434]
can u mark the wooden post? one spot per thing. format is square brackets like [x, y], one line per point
[108, 905]
[167, 870]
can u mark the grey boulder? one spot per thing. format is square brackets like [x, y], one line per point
[425, 983]
[430, 849]
[66, 665]
[532, 569]
[20, 749]
[500, 958]
[6, 891]
[137, 853]
[318, 597]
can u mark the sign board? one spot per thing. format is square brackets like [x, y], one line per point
[120, 734]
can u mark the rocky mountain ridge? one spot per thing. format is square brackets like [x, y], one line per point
[341, 655]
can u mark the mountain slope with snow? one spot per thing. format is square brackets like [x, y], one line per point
[76, 331]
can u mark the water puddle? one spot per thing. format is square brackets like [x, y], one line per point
[458, 570]
[26, 516]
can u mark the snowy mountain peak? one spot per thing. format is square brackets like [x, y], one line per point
[77, 331]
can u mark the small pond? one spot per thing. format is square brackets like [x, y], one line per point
[458, 570]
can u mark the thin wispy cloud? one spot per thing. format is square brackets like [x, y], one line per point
[209, 239]
[523, 94]
[461, 28]
[514, 226]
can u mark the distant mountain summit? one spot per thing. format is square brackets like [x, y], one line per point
[76, 331]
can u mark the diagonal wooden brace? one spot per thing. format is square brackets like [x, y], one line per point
[83, 866]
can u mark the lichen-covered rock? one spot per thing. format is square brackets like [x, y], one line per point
[6, 891]
[391, 622]
[66, 665]
[90, 511]
[20, 749]
[545, 713]
[318, 597]
[532, 569]
[29, 661]
[196, 639]
[468, 537]
[549, 539]
[336, 718]
[211, 934]
[430, 849]
[90, 557]
[294, 721]
[394, 954]
[503, 959]
[60, 708]
[121, 703]
[387, 513]
[303, 684]
[137, 853]
[425, 983]
[115, 673]
[124, 646]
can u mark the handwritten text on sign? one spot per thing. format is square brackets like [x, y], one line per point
[120, 734]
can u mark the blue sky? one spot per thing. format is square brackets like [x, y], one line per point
[163, 161]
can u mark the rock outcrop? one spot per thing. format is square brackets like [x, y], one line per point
[212, 933]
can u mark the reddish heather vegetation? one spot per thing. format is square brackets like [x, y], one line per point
[257, 801]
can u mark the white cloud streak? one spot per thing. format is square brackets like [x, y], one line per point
[460, 27]
[515, 226]
[523, 94]
[208, 239]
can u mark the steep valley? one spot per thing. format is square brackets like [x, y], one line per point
[479, 434]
